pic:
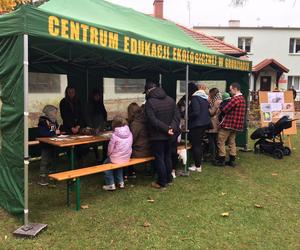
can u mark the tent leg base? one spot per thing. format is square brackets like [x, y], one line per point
[30, 230]
[183, 173]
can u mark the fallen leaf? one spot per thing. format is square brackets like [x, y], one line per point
[146, 224]
[258, 206]
[274, 174]
[150, 199]
[226, 214]
[84, 206]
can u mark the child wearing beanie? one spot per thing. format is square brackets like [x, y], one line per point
[225, 99]
[47, 127]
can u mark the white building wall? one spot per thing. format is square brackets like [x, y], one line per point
[266, 43]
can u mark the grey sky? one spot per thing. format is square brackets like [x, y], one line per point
[218, 12]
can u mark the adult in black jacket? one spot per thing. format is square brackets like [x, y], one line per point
[71, 112]
[96, 117]
[163, 118]
[199, 121]
[96, 114]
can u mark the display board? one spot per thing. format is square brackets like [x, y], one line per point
[274, 105]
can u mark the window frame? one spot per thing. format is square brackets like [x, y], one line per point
[293, 82]
[244, 38]
[119, 89]
[294, 52]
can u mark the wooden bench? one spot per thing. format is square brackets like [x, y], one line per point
[33, 143]
[74, 175]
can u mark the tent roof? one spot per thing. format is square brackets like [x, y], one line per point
[101, 24]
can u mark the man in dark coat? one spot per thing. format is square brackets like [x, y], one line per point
[163, 118]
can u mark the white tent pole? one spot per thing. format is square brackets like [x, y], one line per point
[27, 230]
[26, 155]
[160, 80]
[186, 110]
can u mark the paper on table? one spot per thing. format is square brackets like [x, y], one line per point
[276, 106]
[267, 116]
[63, 136]
[84, 136]
[289, 107]
[265, 107]
[276, 97]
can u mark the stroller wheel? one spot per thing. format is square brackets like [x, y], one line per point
[287, 151]
[278, 154]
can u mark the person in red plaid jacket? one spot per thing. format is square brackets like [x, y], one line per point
[232, 122]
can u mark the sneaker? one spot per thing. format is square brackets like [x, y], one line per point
[199, 169]
[192, 168]
[121, 185]
[109, 187]
[173, 174]
[43, 180]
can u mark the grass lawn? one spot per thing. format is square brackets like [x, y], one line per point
[186, 216]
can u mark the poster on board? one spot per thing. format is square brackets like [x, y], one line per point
[274, 105]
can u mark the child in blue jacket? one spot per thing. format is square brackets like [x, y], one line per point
[48, 127]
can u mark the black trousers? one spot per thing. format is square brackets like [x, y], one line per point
[161, 150]
[196, 138]
[174, 155]
[213, 140]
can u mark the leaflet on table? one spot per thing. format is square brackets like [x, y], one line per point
[270, 107]
[276, 97]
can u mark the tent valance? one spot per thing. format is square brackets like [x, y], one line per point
[115, 28]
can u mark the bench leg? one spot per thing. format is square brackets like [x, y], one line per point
[72, 158]
[77, 194]
[68, 192]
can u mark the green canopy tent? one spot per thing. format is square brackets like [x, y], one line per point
[88, 40]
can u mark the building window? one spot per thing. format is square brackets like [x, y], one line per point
[294, 82]
[221, 38]
[244, 43]
[129, 85]
[44, 83]
[294, 45]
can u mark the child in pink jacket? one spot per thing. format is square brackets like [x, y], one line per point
[119, 151]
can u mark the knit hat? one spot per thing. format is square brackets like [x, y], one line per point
[225, 96]
[48, 110]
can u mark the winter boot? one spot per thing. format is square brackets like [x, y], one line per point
[220, 161]
[231, 162]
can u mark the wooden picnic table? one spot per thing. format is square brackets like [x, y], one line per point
[74, 140]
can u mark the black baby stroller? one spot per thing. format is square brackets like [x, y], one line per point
[270, 139]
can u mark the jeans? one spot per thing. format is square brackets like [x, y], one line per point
[112, 175]
[48, 156]
[196, 139]
[174, 154]
[161, 150]
[213, 140]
